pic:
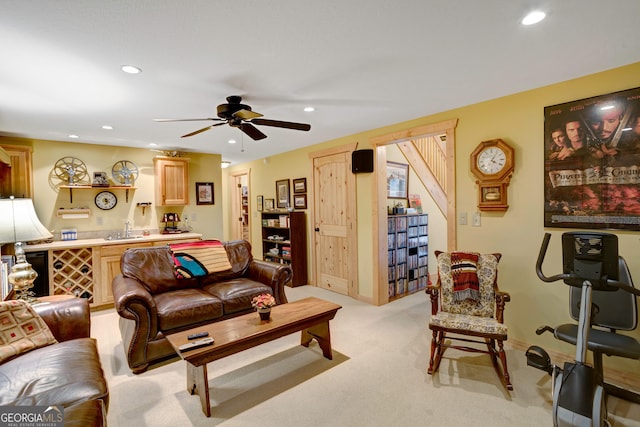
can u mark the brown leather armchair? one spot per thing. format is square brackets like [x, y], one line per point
[67, 373]
[152, 302]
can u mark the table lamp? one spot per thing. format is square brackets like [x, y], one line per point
[21, 224]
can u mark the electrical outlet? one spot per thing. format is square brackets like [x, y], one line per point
[99, 220]
[194, 218]
[476, 219]
[462, 218]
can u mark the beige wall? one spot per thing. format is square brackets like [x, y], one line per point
[517, 233]
[101, 158]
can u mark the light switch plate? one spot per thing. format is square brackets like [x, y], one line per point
[462, 218]
[476, 219]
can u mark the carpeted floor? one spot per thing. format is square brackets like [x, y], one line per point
[376, 378]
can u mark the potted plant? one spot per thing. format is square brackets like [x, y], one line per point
[263, 303]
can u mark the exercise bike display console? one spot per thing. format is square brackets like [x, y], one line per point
[591, 264]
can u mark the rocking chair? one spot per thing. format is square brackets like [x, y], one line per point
[466, 302]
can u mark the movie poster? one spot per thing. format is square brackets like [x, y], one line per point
[592, 162]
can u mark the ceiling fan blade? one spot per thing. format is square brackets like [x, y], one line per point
[252, 131]
[201, 130]
[281, 124]
[246, 114]
[185, 120]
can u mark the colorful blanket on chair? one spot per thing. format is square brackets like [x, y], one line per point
[464, 271]
[197, 259]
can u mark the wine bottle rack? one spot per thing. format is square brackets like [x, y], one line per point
[72, 272]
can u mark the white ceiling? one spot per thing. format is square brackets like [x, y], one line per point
[362, 64]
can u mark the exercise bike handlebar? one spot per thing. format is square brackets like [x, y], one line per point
[564, 276]
[541, 255]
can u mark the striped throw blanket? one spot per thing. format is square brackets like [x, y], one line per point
[464, 268]
[197, 259]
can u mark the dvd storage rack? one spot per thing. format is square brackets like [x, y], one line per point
[408, 250]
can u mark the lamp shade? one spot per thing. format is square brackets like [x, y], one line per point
[19, 222]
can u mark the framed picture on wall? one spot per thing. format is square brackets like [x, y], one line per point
[260, 203]
[300, 201]
[591, 162]
[397, 180]
[282, 193]
[204, 193]
[299, 185]
[269, 204]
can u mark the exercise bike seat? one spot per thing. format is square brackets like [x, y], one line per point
[604, 342]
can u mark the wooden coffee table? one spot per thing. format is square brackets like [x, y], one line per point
[309, 315]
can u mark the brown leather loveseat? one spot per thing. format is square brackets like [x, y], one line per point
[67, 373]
[152, 302]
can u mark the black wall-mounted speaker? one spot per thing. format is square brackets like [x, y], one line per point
[362, 161]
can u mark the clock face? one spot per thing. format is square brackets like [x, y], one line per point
[491, 160]
[106, 200]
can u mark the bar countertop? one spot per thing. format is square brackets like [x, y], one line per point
[84, 243]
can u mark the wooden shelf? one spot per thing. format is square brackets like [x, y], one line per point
[294, 236]
[90, 187]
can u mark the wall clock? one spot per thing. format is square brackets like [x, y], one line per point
[492, 162]
[106, 200]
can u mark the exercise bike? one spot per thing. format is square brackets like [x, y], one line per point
[590, 265]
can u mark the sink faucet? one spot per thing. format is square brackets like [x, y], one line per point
[127, 229]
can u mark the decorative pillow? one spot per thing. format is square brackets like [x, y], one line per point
[21, 330]
[199, 258]
[464, 271]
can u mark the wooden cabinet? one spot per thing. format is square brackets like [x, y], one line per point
[109, 268]
[284, 240]
[16, 179]
[408, 250]
[172, 181]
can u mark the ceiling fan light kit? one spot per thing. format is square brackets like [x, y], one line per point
[239, 115]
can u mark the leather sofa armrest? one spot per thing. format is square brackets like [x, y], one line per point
[68, 318]
[273, 275]
[129, 293]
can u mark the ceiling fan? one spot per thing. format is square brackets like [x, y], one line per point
[239, 115]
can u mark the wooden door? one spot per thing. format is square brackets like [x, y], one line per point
[334, 222]
[240, 218]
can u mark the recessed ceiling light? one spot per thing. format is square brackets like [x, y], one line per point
[153, 144]
[107, 127]
[309, 109]
[131, 69]
[73, 136]
[225, 164]
[533, 17]
[232, 141]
